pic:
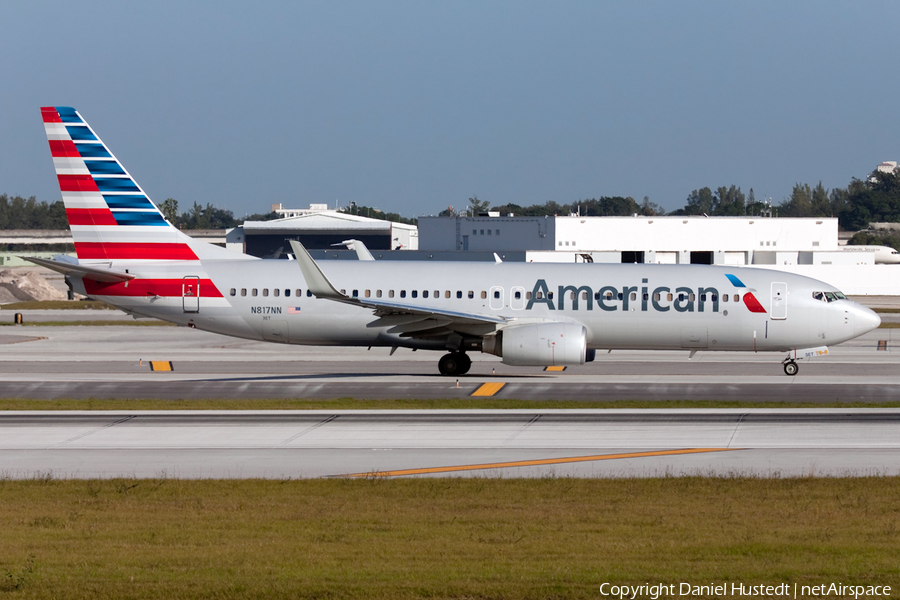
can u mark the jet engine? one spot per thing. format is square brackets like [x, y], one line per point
[540, 345]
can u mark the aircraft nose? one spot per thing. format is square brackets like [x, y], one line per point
[865, 320]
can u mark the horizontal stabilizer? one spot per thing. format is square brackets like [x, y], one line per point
[92, 273]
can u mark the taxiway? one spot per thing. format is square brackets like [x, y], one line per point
[47, 362]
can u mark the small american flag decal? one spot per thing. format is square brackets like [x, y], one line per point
[293, 310]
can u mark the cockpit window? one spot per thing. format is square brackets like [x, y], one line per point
[828, 296]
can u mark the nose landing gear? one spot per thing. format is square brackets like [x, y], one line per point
[790, 367]
[455, 363]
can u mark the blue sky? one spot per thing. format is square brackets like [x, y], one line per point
[411, 107]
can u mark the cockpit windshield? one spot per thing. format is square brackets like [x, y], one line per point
[829, 296]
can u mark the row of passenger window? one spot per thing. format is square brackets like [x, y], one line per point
[517, 294]
[367, 293]
[276, 292]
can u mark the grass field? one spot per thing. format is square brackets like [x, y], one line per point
[438, 538]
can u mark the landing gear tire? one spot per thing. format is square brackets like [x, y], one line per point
[455, 363]
[791, 368]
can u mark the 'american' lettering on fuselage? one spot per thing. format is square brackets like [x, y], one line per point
[609, 298]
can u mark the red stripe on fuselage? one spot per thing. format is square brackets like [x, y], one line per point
[151, 287]
[90, 216]
[77, 183]
[753, 304]
[50, 115]
[63, 148]
[147, 251]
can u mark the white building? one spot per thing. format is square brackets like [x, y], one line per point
[888, 166]
[665, 240]
[805, 246]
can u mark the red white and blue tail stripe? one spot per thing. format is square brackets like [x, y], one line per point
[127, 251]
[111, 217]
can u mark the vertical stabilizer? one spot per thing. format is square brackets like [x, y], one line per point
[110, 216]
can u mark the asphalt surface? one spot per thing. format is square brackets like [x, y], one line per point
[45, 362]
[521, 443]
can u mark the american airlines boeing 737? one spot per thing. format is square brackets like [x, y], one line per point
[528, 314]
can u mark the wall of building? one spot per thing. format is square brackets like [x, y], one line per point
[486, 234]
[661, 239]
[679, 236]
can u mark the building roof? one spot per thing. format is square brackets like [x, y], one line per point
[319, 221]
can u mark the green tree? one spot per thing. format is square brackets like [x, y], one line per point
[729, 202]
[262, 216]
[209, 217]
[875, 200]
[701, 202]
[800, 203]
[753, 206]
[821, 206]
[56, 216]
[4, 212]
[169, 209]
[27, 213]
[377, 213]
[651, 209]
[476, 206]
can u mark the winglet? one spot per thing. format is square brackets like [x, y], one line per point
[315, 278]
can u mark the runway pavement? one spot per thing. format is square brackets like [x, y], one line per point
[512, 443]
[114, 362]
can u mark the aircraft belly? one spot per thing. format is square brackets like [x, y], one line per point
[338, 327]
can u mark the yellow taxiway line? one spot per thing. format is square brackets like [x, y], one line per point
[536, 463]
[488, 389]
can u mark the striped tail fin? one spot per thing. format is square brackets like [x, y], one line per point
[110, 216]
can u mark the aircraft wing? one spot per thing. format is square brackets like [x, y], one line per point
[92, 273]
[406, 319]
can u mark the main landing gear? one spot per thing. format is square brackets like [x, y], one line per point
[790, 367]
[455, 363]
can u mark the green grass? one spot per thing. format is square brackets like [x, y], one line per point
[401, 404]
[889, 326]
[886, 310]
[58, 305]
[438, 538]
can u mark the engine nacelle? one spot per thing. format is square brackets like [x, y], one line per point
[540, 345]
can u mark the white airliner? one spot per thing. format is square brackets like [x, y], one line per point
[884, 255]
[529, 314]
